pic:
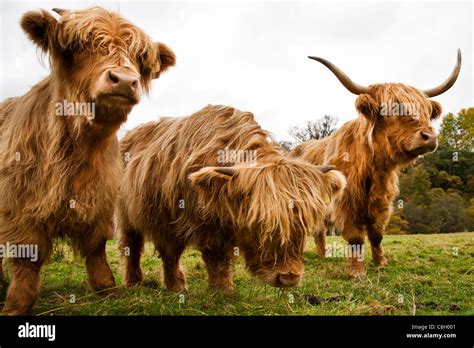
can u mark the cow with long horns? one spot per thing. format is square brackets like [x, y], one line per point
[393, 129]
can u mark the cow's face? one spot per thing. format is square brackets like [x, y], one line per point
[272, 208]
[273, 262]
[400, 121]
[398, 116]
[98, 57]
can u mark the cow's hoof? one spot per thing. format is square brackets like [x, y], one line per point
[356, 269]
[133, 283]
[357, 274]
[133, 280]
[105, 289]
[226, 291]
[179, 288]
[381, 261]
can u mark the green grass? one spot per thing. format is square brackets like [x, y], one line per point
[424, 277]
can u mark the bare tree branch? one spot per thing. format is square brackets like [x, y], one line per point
[314, 130]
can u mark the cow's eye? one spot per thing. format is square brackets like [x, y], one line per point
[142, 63]
[414, 122]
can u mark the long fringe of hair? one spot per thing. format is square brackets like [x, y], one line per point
[99, 30]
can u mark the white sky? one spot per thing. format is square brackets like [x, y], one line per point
[253, 55]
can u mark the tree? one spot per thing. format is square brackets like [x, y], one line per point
[417, 217]
[466, 125]
[414, 186]
[286, 145]
[457, 132]
[470, 214]
[447, 211]
[314, 130]
[397, 224]
[445, 181]
[458, 163]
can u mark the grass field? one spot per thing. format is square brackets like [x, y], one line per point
[427, 275]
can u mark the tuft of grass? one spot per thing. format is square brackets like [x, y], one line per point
[427, 275]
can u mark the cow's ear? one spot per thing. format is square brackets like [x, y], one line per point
[367, 106]
[39, 26]
[436, 109]
[167, 59]
[208, 177]
[336, 182]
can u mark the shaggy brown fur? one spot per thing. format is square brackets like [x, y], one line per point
[370, 151]
[59, 175]
[176, 193]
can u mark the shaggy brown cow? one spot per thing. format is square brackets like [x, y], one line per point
[59, 174]
[178, 191]
[393, 129]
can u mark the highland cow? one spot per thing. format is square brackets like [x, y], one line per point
[59, 174]
[187, 182]
[393, 129]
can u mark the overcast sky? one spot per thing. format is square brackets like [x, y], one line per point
[253, 55]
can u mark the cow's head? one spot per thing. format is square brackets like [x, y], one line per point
[398, 116]
[98, 57]
[273, 208]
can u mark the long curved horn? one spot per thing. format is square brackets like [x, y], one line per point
[226, 171]
[327, 168]
[341, 76]
[433, 92]
[59, 11]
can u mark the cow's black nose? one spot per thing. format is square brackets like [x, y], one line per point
[122, 80]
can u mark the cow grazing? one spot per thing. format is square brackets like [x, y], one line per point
[216, 181]
[60, 165]
[393, 129]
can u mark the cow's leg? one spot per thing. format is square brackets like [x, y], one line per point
[131, 245]
[25, 273]
[219, 268]
[379, 211]
[92, 248]
[1, 273]
[320, 240]
[24, 286]
[100, 275]
[170, 250]
[355, 237]
[375, 234]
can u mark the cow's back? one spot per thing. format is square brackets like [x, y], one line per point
[192, 142]
[138, 138]
[313, 151]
